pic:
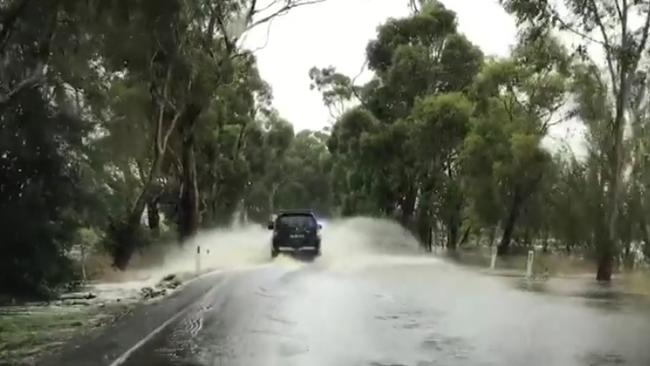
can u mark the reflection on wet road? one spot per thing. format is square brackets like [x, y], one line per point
[392, 310]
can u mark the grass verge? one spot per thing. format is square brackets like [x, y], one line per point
[29, 332]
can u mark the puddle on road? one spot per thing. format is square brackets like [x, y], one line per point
[606, 359]
[290, 349]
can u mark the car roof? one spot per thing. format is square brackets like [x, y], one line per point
[296, 212]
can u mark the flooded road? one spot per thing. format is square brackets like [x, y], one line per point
[380, 309]
[395, 311]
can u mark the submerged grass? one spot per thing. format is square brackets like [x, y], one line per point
[566, 273]
[28, 332]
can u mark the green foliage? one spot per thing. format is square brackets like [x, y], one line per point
[441, 123]
[397, 153]
[620, 32]
[43, 150]
[110, 109]
[39, 198]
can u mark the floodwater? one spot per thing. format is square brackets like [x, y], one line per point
[373, 299]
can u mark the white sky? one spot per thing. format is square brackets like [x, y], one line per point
[336, 33]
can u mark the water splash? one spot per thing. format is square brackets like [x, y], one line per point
[346, 244]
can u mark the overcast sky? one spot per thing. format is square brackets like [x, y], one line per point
[336, 33]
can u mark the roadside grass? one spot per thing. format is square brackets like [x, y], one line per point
[28, 332]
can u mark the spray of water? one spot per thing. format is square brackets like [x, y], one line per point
[346, 243]
[360, 242]
[366, 236]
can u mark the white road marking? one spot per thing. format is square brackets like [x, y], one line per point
[125, 356]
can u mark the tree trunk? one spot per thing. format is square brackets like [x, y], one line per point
[491, 236]
[153, 215]
[83, 263]
[127, 230]
[126, 241]
[408, 206]
[645, 233]
[465, 236]
[608, 247]
[424, 230]
[189, 200]
[509, 224]
[628, 256]
[271, 198]
[605, 268]
[434, 233]
[454, 227]
[452, 236]
[527, 240]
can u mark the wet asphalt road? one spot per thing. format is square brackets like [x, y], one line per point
[389, 310]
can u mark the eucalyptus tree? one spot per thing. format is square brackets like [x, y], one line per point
[613, 37]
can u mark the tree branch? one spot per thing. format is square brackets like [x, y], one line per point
[548, 123]
[618, 9]
[267, 7]
[35, 78]
[282, 11]
[644, 37]
[162, 105]
[608, 48]
[413, 4]
[566, 26]
[353, 88]
[209, 33]
[252, 12]
[230, 45]
[161, 115]
[268, 36]
[141, 172]
[170, 129]
[176, 161]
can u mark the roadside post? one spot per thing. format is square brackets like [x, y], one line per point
[493, 260]
[529, 264]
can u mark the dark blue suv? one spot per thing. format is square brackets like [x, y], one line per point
[295, 231]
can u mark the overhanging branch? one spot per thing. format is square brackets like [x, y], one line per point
[608, 48]
[34, 79]
[282, 11]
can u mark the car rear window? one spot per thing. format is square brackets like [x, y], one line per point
[301, 221]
